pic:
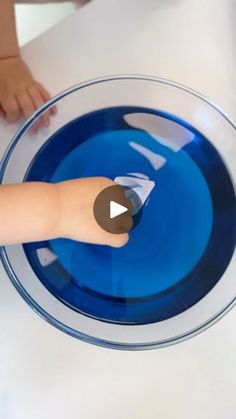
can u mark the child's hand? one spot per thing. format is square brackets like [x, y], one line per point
[19, 92]
[35, 211]
[77, 220]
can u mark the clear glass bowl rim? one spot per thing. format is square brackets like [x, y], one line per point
[7, 266]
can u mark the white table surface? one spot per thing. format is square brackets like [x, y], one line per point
[46, 374]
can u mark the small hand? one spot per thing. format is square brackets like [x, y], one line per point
[20, 93]
[77, 221]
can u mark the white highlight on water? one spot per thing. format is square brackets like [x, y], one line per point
[154, 159]
[166, 132]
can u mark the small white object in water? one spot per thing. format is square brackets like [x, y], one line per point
[46, 256]
[142, 187]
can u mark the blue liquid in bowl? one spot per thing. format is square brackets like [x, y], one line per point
[174, 256]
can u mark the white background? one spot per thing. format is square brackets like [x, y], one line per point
[45, 374]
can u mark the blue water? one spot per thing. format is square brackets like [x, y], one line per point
[172, 258]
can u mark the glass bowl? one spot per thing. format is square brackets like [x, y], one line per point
[176, 275]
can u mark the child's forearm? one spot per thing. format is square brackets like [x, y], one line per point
[8, 38]
[28, 212]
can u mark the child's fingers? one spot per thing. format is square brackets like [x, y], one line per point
[46, 96]
[118, 240]
[124, 224]
[53, 110]
[26, 104]
[27, 107]
[2, 113]
[38, 101]
[11, 109]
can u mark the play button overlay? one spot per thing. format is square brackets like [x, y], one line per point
[113, 210]
[116, 209]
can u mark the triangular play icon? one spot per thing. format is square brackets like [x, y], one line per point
[116, 209]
